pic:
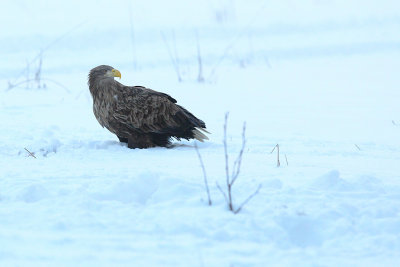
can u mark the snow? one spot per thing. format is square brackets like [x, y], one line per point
[319, 78]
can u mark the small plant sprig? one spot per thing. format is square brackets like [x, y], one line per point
[230, 177]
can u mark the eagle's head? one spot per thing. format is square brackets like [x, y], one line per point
[102, 72]
[100, 75]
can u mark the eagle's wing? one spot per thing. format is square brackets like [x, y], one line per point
[149, 111]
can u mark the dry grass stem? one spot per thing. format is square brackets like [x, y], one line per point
[200, 77]
[230, 179]
[204, 174]
[278, 163]
[30, 153]
[173, 54]
[248, 199]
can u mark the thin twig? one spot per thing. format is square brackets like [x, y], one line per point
[226, 148]
[238, 161]
[222, 192]
[11, 86]
[174, 60]
[30, 153]
[168, 49]
[50, 45]
[200, 77]
[357, 147]
[233, 42]
[248, 199]
[277, 147]
[176, 55]
[228, 182]
[204, 174]
[278, 164]
[287, 163]
[39, 70]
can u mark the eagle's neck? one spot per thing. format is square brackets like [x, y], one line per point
[97, 86]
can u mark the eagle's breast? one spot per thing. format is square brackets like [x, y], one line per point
[104, 106]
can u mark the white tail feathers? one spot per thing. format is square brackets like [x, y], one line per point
[198, 135]
[204, 130]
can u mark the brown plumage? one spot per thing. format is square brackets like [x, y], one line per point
[140, 116]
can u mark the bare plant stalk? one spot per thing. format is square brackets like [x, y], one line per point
[168, 49]
[228, 182]
[204, 174]
[222, 192]
[200, 77]
[11, 86]
[287, 163]
[39, 71]
[28, 81]
[176, 55]
[278, 162]
[173, 57]
[30, 153]
[248, 199]
[357, 147]
[234, 42]
[230, 179]
[26, 70]
[238, 161]
[226, 52]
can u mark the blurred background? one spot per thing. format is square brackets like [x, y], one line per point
[74, 36]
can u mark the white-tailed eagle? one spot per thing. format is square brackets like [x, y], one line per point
[139, 116]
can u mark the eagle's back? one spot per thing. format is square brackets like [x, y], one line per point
[131, 110]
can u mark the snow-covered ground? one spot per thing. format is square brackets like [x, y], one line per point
[319, 78]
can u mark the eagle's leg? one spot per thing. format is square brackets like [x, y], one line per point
[140, 141]
[123, 139]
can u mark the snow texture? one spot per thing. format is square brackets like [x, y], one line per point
[319, 78]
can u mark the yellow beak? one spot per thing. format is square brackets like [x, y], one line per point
[116, 73]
